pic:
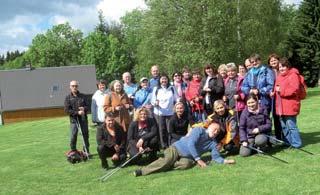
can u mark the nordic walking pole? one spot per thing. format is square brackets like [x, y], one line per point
[84, 143]
[280, 141]
[261, 152]
[109, 174]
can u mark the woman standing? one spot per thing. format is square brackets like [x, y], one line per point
[118, 103]
[273, 62]
[179, 85]
[287, 90]
[211, 88]
[233, 96]
[259, 81]
[164, 96]
[194, 98]
[142, 96]
[254, 125]
[178, 123]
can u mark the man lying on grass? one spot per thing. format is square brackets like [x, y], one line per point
[184, 153]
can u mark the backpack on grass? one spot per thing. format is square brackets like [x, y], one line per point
[76, 156]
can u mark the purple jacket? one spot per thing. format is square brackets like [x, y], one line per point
[249, 121]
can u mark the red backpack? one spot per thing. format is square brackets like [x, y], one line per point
[302, 88]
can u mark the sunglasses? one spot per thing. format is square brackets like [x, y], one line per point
[74, 85]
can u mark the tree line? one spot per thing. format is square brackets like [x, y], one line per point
[178, 33]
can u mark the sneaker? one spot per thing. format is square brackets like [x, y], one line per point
[137, 173]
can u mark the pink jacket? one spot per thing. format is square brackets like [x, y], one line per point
[287, 101]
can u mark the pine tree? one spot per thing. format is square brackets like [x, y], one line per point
[304, 42]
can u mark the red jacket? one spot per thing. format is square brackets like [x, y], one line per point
[192, 92]
[287, 101]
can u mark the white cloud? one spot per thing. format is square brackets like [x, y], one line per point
[115, 9]
[20, 24]
[296, 2]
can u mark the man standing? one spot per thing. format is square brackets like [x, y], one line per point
[76, 106]
[97, 103]
[153, 82]
[184, 153]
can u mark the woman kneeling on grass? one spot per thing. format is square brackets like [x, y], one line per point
[184, 153]
[142, 135]
[254, 125]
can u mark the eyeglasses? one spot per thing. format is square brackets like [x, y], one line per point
[74, 86]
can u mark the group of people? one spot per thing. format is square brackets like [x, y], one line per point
[224, 110]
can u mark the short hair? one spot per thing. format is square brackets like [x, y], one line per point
[285, 62]
[273, 55]
[222, 67]
[154, 66]
[218, 102]
[231, 66]
[137, 112]
[252, 96]
[178, 103]
[101, 81]
[209, 66]
[126, 73]
[178, 73]
[196, 71]
[109, 115]
[164, 75]
[255, 57]
[185, 69]
[242, 65]
[113, 83]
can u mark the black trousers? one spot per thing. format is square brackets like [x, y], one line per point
[105, 151]
[83, 122]
[152, 144]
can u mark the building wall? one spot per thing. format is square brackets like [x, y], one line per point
[42, 87]
[28, 115]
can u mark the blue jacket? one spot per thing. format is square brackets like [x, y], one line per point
[261, 79]
[142, 97]
[197, 143]
[153, 82]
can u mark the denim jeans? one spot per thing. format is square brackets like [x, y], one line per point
[291, 131]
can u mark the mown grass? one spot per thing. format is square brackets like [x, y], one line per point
[32, 161]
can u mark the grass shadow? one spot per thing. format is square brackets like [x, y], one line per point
[310, 138]
[312, 93]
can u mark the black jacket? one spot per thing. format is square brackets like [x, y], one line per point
[104, 138]
[217, 88]
[178, 127]
[72, 104]
[151, 131]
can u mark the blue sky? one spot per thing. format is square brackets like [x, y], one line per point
[21, 20]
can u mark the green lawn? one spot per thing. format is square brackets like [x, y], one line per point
[32, 161]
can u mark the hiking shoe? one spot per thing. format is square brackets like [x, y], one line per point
[104, 164]
[137, 173]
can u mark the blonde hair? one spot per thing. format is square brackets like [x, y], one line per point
[222, 67]
[217, 103]
[137, 112]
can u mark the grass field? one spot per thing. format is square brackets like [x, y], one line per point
[32, 161]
